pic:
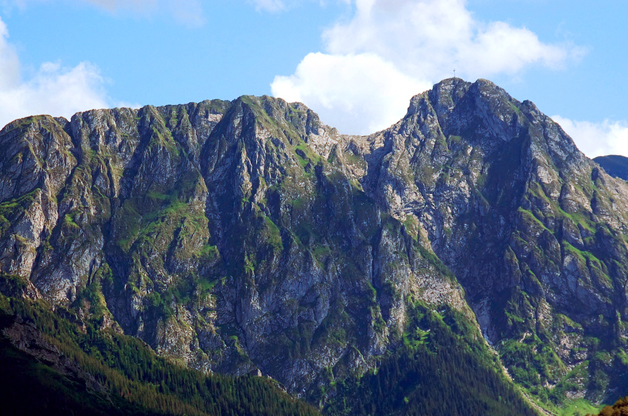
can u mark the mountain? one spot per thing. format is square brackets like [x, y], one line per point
[366, 274]
[614, 165]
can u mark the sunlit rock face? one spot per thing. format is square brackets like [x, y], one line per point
[245, 235]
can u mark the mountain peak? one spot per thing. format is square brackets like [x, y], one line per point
[244, 235]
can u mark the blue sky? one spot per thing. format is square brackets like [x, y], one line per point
[355, 62]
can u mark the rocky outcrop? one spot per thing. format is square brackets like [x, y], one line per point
[246, 235]
[229, 236]
[533, 230]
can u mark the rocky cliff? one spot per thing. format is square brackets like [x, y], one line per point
[246, 235]
[533, 230]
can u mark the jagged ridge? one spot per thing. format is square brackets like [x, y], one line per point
[241, 235]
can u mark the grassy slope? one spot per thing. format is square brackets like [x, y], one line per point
[442, 369]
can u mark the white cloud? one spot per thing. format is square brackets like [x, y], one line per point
[432, 37]
[597, 139]
[422, 41]
[344, 88]
[114, 5]
[187, 12]
[274, 6]
[9, 61]
[52, 90]
[269, 5]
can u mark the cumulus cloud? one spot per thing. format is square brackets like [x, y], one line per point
[113, 5]
[341, 88]
[186, 12]
[54, 89]
[9, 61]
[421, 41]
[269, 5]
[281, 5]
[432, 37]
[597, 139]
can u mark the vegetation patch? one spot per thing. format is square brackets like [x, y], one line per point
[438, 371]
[133, 378]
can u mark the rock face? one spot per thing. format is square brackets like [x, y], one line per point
[246, 235]
[533, 230]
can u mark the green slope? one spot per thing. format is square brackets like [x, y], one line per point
[442, 369]
[72, 371]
